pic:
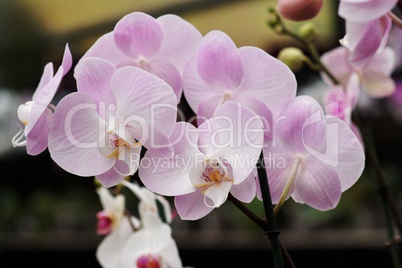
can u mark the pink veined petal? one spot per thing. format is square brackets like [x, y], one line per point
[375, 36]
[104, 48]
[218, 61]
[301, 126]
[191, 206]
[318, 185]
[245, 191]
[337, 61]
[180, 42]
[267, 78]
[93, 77]
[37, 138]
[171, 175]
[167, 72]
[147, 104]
[345, 153]
[197, 92]
[43, 98]
[74, 136]
[45, 78]
[109, 250]
[378, 85]
[138, 35]
[239, 139]
[362, 11]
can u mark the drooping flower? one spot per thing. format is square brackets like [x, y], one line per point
[219, 71]
[299, 10]
[37, 114]
[160, 46]
[115, 225]
[100, 130]
[320, 156]
[375, 77]
[208, 162]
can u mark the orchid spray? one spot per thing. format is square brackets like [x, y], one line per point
[124, 121]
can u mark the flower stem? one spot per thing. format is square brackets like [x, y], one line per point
[270, 227]
[262, 224]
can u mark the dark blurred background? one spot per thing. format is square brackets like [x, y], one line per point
[47, 216]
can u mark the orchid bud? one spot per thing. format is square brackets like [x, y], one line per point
[299, 10]
[309, 32]
[292, 57]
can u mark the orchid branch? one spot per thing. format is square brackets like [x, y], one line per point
[262, 224]
[279, 27]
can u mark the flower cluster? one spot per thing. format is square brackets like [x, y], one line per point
[123, 119]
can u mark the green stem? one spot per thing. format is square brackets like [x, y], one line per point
[270, 227]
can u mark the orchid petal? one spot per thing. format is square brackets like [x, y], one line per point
[301, 125]
[337, 61]
[175, 171]
[168, 72]
[378, 85]
[219, 62]
[138, 35]
[37, 138]
[180, 42]
[195, 90]
[217, 193]
[67, 61]
[346, 155]
[191, 206]
[74, 136]
[147, 105]
[267, 78]
[93, 77]
[317, 185]
[246, 190]
[45, 78]
[362, 11]
[109, 250]
[239, 137]
[111, 177]
[384, 62]
[43, 98]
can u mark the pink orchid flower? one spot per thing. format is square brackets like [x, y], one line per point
[219, 71]
[317, 157]
[100, 130]
[209, 162]
[37, 114]
[160, 46]
[374, 77]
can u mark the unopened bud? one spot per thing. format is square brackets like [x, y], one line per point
[309, 32]
[292, 57]
[299, 10]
